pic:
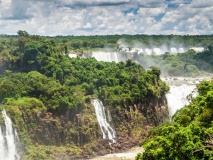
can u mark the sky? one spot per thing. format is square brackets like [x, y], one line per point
[106, 17]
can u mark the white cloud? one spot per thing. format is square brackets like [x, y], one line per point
[179, 1]
[151, 3]
[77, 17]
[94, 2]
[201, 3]
[151, 11]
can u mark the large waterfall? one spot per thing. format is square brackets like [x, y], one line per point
[8, 140]
[178, 97]
[180, 87]
[180, 91]
[105, 56]
[107, 130]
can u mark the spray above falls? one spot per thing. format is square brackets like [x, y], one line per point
[107, 130]
[8, 140]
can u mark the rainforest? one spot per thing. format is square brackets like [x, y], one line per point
[48, 86]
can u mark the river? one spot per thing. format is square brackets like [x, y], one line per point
[127, 155]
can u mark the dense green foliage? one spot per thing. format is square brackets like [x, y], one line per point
[189, 135]
[39, 79]
[29, 52]
[40, 70]
[38, 76]
[190, 63]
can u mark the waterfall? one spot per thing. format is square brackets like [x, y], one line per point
[180, 89]
[181, 50]
[157, 51]
[173, 50]
[107, 130]
[148, 51]
[8, 140]
[105, 56]
[177, 98]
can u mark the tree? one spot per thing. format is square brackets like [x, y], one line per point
[156, 71]
[22, 33]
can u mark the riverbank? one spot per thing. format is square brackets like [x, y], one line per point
[127, 155]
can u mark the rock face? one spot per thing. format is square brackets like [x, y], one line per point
[80, 128]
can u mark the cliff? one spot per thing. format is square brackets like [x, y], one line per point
[75, 133]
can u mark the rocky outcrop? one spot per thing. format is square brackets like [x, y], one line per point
[80, 128]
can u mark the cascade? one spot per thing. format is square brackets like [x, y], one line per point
[198, 49]
[173, 50]
[107, 130]
[148, 51]
[157, 51]
[177, 98]
[180, 89]
[115, 57]
[105, 56]
[181, 50]
[8, 140]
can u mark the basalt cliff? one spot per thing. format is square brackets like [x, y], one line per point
[76, 134]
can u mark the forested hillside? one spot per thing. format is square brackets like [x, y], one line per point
[190, 63]
[42, 87]
[48, 96]
[189, 135]
[26, 52]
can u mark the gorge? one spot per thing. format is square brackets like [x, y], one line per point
[76, 107]
[126, 134]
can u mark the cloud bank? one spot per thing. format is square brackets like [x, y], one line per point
[101, 17]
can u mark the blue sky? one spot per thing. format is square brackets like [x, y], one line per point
[101, 17]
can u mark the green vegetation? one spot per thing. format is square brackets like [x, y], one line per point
[189, 135]
[29, 52]
[40, 70]
[190, 63]
[42, 88]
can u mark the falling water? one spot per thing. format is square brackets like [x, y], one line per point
[173, 50]
[180, 89]
[105, 56]
[177, 98]
[8, 140]
[181, 50]
[148, 51]
[157, 51]
[106, 129]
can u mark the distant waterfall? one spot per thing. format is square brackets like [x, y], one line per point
[107, 130]
[105, 56]
[8, 140]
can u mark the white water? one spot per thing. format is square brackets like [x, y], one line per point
[181, 50]
[198, 49]
[160, 49]
[157, 51]
[72, 55]
[8, 140]
[127, 155]
[173, 50]
[180, 89]
[107, 130]
[105, 56]
[177, 97]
